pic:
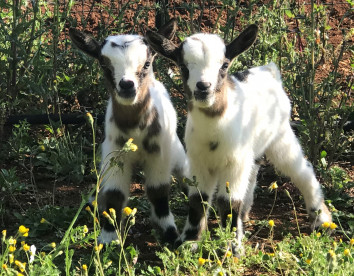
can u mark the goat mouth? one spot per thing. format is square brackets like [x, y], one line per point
[201, 95]
[127, 93]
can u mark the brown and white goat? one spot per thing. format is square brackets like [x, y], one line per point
[140, 108]
[232, 121]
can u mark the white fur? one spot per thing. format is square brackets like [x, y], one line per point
[255, 122]
[157, 167]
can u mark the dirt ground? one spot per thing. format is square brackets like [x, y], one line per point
[283, 214]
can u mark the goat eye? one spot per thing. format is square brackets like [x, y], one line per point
[146, 65]
[225, 66]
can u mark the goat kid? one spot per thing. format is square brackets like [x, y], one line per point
[140, 108]
[233, 120]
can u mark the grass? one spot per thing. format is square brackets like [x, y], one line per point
[41, 73]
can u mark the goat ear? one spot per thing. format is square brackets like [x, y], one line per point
[85, 43]
[169, 29]
[242, 42]
[162, 45]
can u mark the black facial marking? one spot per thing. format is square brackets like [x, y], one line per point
[196, 210]
[158, 197]
[213, 145]
[241, 76]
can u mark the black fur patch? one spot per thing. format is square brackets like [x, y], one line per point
[170, 235]
[158, 197]
[111, 199]
[241, 76]
[225, 209]
[192, 234]
[196, 210]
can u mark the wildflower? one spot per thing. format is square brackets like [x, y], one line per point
[133, 147]
[85, 229]
[127, 211]
[331, 253]
[229, 216]
[26, 247]
[41, 148]
[21, 266]
[228, 254]
[334, 245]
[43, 220]
[271, 223]
[94, 203]
[99, 247]
[220, 273]
[113, 213]
[346, 252]
[12, 248]
[33, 253]
[4, 266]
[351, 242]
[23, 230]
[12, 241]
[340, 240]
[333, 226]
[234, 229]
[42, 254]
[88, 209]
[318, 234]
[134, 211]
[308, 261]
[11, 258]
[325, 225]
[105, 214]
[84, 267]
[3, 233]
[19, 274]
[228, 187]
[201, 261]
[89, 118]
[53, 245]
[273, 186]
[301, 255]
[219, 263]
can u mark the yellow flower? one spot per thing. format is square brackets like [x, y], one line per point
[346, 252]
[134, 211]
[21, 266]
[113, 213]
[301, 255]
[88, 209]
[228, 254]
[23, 230]
[4, 266]
[334, 245]
[201, 261]
[308, 261]
[220, 273]
[318, 234]
[99, 247]
[127, 211]
[351, 241]
[229, 216]
[219, 263]
[105, 214]
[12, 248]
[19, 274]
[130, 141]
[25, 234]
[273, 186]
[94, 203]
[89, 118]
[133, 147]
[26, 247]
[12, 241]
[331, 253]
[42, 254]
[11, 258]
[43, 220]
[227, 184]
[333, 226]
[325, 224]
[84, 267]
[53, 245]
[271, 223]
[85, 229]
[340, 240]
[3, 233]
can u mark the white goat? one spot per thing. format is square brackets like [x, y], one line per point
[232, 121]
[140, 108]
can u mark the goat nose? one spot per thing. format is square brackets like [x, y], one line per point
[126, 84]
[203, 85]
